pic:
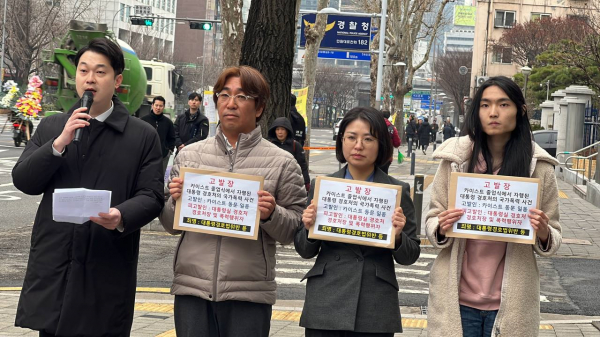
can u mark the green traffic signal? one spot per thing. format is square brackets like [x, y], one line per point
[201, 25]
[391, 96]
[142, 22]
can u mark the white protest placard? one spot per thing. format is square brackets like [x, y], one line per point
[355, 212]
[496, 207]
[218, 203]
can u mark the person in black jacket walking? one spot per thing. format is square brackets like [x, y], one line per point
[164, 127]
[411, 132]
[298, 124]
[192, 125]
[424, 135]
[281, 134]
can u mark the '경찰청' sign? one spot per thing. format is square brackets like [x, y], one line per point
[218, 203]
[496, 207]
[341, 32]
[355, 212]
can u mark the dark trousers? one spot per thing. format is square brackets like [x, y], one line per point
[336, 333]
[195, 316]
[477, 323]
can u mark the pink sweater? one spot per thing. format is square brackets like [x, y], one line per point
[482, 268]
[482, 272]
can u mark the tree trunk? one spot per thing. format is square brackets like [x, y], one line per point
[314, 36]
[269, 47]
[232, 27]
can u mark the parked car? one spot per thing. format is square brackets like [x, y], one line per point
[336, 127]
[547, 140]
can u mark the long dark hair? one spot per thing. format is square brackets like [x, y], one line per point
[378, 129]
[518, 151]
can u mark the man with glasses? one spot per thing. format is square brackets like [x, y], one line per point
[225, 286]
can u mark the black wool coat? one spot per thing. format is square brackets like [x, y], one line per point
[81, 278]
[424, 134]
[353, 287]
[164, 128]
[188, 130]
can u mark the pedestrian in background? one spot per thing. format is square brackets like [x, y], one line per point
[164, 128]
[225, 286]
[411, 132]
[281, 134]
[424, 135]
[434, 130]
[448, 130]
[394, 137]
[81, 278]
[348, 281]
[481, 287]
[192, 125]
[298, 124]
[417, 139]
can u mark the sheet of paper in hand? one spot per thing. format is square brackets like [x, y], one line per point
[355, 212]
[77, 205]
[219, 203]
[496, 207]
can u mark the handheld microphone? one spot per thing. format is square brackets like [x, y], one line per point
[86, 101]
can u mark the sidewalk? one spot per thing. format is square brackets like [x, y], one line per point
[581, 239]
[154, 317]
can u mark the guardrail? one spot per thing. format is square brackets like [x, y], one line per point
[587, 162]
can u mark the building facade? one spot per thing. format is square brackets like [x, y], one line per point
[495, 17]
[150, 42]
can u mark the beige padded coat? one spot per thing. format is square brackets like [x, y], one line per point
[518, 315]
[218, 268]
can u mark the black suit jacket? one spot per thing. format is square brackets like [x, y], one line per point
[354, 287]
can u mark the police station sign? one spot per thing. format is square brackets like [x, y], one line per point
[341, 32]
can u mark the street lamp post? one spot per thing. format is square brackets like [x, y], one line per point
[3, 47]
[526, 71]
[547, 88]
[382, 31]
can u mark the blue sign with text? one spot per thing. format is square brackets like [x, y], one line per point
[341, 32]
[422, 97]
[344, 55]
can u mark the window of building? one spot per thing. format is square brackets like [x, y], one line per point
[539, 16]
[122, 16]
[503, 56]
[504, 19]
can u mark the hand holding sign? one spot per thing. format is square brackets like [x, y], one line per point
[398, 221]
[310, 215]
[175, 187]
[447, 218]
[539, 222]
[266, 204]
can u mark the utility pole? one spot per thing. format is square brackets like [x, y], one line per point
[3, 45]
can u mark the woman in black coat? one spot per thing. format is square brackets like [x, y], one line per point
[281, 134]
[424, 135]
[353, 288]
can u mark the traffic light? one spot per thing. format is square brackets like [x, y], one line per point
[391, 95]
[142, 22]
[201, 25]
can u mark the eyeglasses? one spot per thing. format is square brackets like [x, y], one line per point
[239, 98]
[366, 141]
